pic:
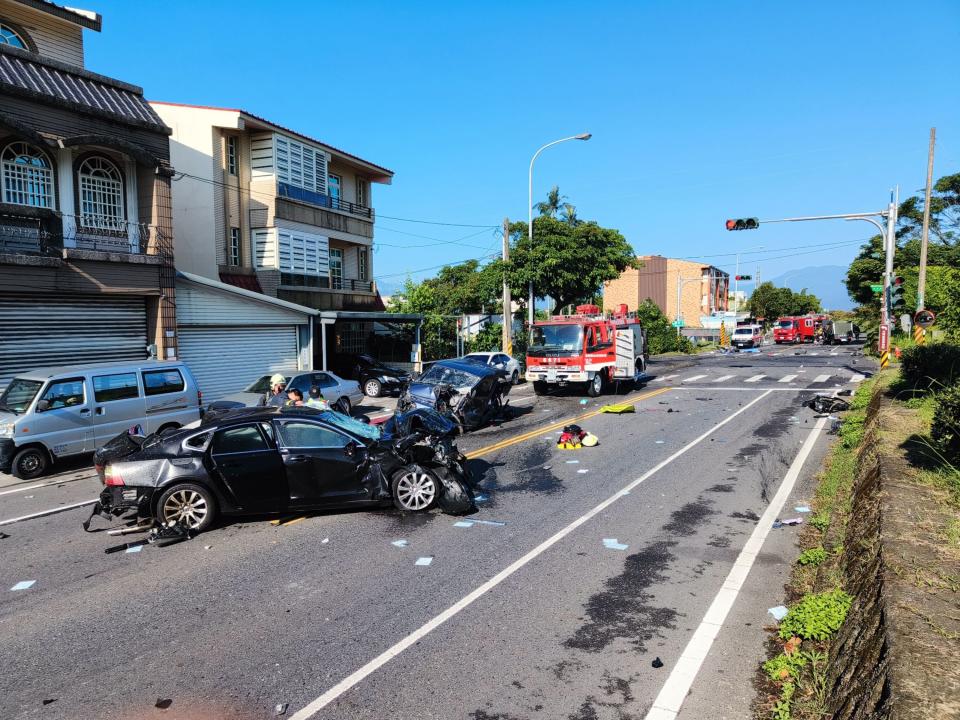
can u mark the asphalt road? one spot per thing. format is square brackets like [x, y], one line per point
[528, 615]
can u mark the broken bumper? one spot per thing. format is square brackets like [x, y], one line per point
[560, 377]
[119, 499]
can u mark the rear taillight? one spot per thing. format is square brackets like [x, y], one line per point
[112, 477]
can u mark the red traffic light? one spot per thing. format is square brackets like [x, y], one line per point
[898, 280]
[743, 224]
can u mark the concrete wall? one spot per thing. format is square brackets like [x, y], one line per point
[55, 38]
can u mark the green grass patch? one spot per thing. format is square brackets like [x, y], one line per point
[813, 556]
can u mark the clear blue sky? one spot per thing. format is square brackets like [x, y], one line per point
[699, 111]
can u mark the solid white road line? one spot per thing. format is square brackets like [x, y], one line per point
[755, 378]
[857, 378]
[387, 655]
[664, 378]
[43, 485]
[821, 378]
[723, 377]
[674, 692]
[787, 378]
[43, 513]
[693, 377]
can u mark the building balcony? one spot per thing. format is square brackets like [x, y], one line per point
[44, 232]
[291, 192]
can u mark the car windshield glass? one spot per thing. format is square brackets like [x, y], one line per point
[556, 337]
[261, 385]
[743, 331]
[439, 374]
[481, 359]
[19, 394]
[786, 324]
[352, 425]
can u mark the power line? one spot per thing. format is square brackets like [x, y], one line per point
[435, 267]
[433, 244]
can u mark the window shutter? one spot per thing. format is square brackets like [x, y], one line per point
[321, 172]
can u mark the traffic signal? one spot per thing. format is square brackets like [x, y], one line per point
[743, 277]
[896, 294]
[743, 224]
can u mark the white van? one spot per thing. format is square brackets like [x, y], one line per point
[52, 413]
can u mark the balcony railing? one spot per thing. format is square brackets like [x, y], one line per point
[292, 192]
[323, 282]
[50, 233]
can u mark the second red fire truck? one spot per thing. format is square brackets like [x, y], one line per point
[587, 348]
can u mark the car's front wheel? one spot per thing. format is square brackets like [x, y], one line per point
[372, 388]
[187, 503]
[414, 489]
[515, 378]
[30, 463]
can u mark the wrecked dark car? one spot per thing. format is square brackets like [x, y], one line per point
[468, 393]
[275, 460]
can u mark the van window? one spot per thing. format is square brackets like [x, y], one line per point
[158, 382]
[245, 438]
[64, 393]
[107, 388]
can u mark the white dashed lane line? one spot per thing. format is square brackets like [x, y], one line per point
[723, 377]
[755, 378]
[693, 378]
[787, 378]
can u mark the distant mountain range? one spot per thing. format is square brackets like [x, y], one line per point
[824, 281]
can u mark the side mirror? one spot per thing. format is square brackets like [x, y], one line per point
[350, 449]
[43, 405]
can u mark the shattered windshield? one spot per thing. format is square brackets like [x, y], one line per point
[440, 374]
[371, 432]
[19, 394]
[555, 339]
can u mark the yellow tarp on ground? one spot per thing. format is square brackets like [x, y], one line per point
[618, 408]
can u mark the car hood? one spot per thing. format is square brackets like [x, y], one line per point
[433, 422]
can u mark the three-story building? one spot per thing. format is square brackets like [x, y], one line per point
[86, 243]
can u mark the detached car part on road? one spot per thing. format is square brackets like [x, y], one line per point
[275, 460]
[469, 393]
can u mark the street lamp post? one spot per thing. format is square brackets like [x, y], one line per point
[581, 136]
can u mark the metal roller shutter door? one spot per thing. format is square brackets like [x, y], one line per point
[225, 360]
[46, 330]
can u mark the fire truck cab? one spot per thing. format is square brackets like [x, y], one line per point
[587, 348]
[787, 330]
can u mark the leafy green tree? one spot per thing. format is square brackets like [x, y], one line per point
[770, 302]
[661, 335]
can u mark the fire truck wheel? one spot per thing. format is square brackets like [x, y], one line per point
[539, 387]
[595, 385]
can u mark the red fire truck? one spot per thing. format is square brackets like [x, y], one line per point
[588, 348]
[787, 330]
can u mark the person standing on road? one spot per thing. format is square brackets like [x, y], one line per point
[276, 396]
[316, 399]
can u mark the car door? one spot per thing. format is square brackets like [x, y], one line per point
[246, 460]
[64, 419]
[117, 404]
[322, 464]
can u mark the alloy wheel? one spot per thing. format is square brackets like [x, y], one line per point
[416, 490]
[186, 506]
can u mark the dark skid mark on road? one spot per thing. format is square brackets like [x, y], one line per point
[777, 424]
[621, 610]
[687, 519]
[750, 451]
[529, 478]
[484, 715]
[748, 516]
[719, 541]
[721, 488]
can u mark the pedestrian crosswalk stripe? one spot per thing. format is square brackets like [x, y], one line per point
[857, 378]
[723, 377]
[695, 377]
[821, 378]
[787, 378]
[665, 378]
[755, 378]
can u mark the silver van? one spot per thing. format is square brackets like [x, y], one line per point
[52, 413]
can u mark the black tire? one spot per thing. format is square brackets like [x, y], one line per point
[372, 388]
[539, 387]
[30, 463]
[595, 386]
[414, 489]
[344, 405]
[515, 378]
[190, 502]
[168, 428]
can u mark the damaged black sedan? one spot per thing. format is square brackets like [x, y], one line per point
[276, 460]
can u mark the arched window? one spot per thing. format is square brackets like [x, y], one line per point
[100, 187]
[9, 36]
[27, 176]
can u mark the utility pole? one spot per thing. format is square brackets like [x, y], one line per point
[922, 282]
[507, 343]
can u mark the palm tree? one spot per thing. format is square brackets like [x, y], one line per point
[569, 214]
[553, 203]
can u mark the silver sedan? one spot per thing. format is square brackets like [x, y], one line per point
[341, 394]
